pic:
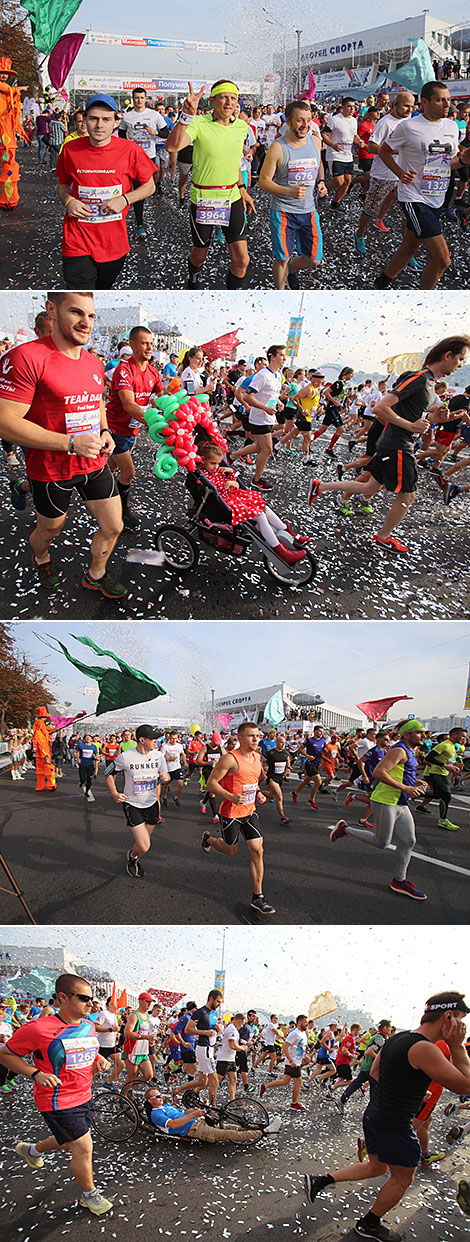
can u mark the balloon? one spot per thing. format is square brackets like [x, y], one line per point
[165, 465]
[195, 728]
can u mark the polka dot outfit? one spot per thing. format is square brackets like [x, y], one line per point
[242, 504]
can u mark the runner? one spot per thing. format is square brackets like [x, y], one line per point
[206, 1025]
[175, 759]
[51, 401]
[235, 779]
[87, 756]
[135, 380]
[217, 141]
[290, 175]
[187, 1044]
[390, 801]
[270, 1037]
[95, 178]
[262, 395]
[65, 1050]
[146, 127]
[206, 759]
[340, 137]
[230, 1046]
[393, 466]
[372, 1049]
[145, 770]
[382, 190]
[277, 771]
[136, 1044]
[402, 1072]
[294, 1049]
[312, 750]
[428, 145]
[440, 762]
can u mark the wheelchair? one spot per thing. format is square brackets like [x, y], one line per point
[210, 521]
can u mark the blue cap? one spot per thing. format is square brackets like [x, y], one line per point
[103, 99]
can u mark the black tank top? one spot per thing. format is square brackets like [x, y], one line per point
[400, 1089]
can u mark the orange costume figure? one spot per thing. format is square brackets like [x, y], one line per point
[42, 742]
[11, 128]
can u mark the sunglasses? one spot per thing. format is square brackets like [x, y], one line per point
[83, 996]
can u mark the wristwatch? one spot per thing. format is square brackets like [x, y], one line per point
[71, 448]
[38, 1071]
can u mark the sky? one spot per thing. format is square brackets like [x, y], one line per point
[346, 662]
[370, 968]
[339, 327]
[251, 38]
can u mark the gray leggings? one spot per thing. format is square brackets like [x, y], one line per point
[391, 821]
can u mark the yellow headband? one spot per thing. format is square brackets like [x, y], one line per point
[225, 88]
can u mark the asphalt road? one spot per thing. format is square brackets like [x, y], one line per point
[68, 856]
[354, 578]
[182, 1191]
[31, 236]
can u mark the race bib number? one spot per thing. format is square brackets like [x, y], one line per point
[94, 197]
[346, 147]
[301, 172]
[145, 786]
[249, 794]
[279, 768]
[213, 211]
[134, 423]
[436, 175]
[144, 140]
[79, 421]
[213, 758]
[79, 1053]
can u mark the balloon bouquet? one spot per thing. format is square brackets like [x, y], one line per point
[171, 423]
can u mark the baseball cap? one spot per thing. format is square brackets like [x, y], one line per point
[145, 996]
[147, 732]
[102, 99]
[125, 351]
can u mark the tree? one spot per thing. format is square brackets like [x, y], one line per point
[16, 42]
[23, 687]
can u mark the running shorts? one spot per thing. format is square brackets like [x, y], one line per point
[422, 220]
[68, 1124]
[226, 1067]
[401, 1149]
[261, 429]
[303, 424]
[188, 1056]
[427, 1106]
[293, 1071]
[241, 1061]
[136, 815]
[377, 193]
[338, 169]
[395, 470]
[176, 775]
[465, 433]
[123, 444]
[445, 437]
[373, 435]
[51, 499]
[248, 826]
[205, 1060]
[311, 767]
[234, 231]
[365, 163]
[332, 417]
[344, 1072]
[296, 231]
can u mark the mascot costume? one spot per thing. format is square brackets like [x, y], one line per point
[43, 732]
[11, 128]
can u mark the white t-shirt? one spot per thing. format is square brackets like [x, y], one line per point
[141, 775]
[107, 1039]
[341, 129]
[154, 1024]
[226, 1053]
[269, 1035]
[250, 141]
[136, 122]
[172, 752]
[194, 377]
[297, 1041]
[427, 148]
[266, 384]
[271, 127]
[363, 746]
[375, 396]
[382, 132]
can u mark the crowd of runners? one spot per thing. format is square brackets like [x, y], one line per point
[64, 1041]
[300, 165]
[389, 774]
[78, 416]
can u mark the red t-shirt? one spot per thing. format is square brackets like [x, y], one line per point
[63, 394]
[127, 375]
[346, 1050]
[97, 173]
[364, 131]
[66, 1050]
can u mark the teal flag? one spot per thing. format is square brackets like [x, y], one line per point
[417, 71]
[49, 19]
[274, 711]
[117, 688]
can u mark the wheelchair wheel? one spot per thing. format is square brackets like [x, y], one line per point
[248, 1114]
[190, 1099]
[179, 547]
[296, 575]
[115, 1118]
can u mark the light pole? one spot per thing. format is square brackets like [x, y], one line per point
[272, 22]
[299, 72]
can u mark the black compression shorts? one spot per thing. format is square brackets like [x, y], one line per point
[247, 826]
[51, 499]
[233, 232]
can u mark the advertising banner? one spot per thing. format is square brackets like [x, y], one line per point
[219, 981]
[183, 45]
[293, 339]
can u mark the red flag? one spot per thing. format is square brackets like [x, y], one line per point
[167, 998]
[62, 57]
[377, 708]
[122, 1000]
[220, 346]
[113, 995]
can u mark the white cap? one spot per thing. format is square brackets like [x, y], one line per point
[125, 352]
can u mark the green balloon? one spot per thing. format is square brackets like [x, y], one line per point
[156, 435]
[165, 464]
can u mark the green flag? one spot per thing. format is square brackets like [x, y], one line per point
[117, 688]
[48, 20]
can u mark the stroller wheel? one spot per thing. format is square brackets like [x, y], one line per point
[179, 547]
[292, 575]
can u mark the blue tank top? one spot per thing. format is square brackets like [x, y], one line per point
[410, 768]
[299, 167]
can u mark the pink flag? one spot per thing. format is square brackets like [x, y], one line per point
[223, 719]
[62, 722]
[62, 57]
[220, 347]
[309, 92]
[377, 708]
[167, 998]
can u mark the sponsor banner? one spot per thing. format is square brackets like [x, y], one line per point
[459, 90]
[142, 41]
[341, 79]
[219, 981]
[107, 83]
[293, 339]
